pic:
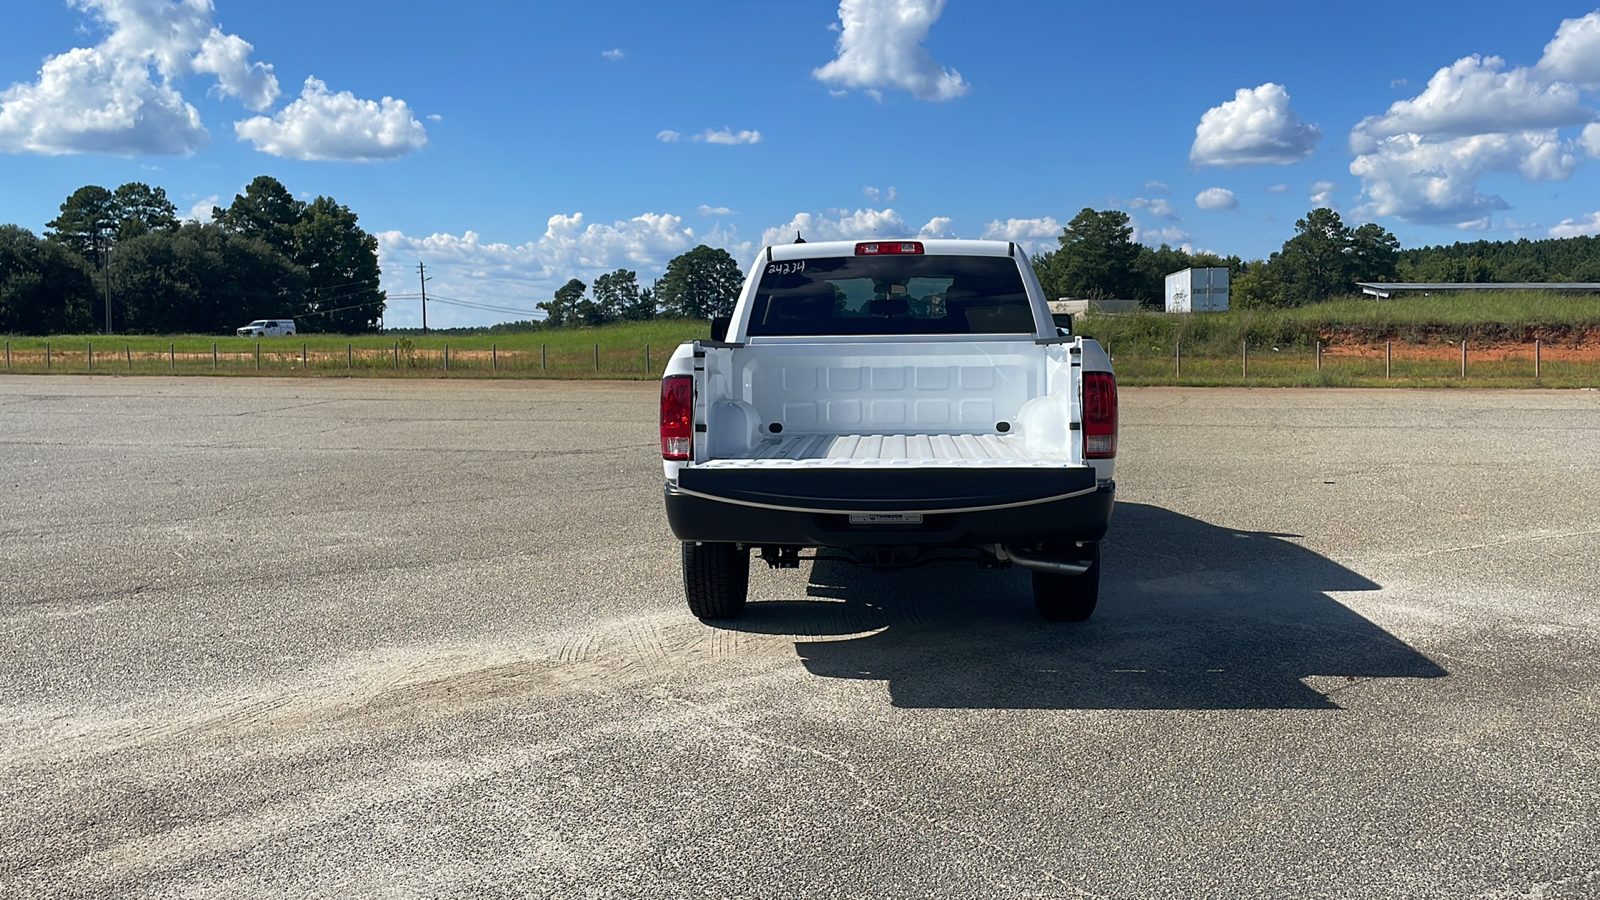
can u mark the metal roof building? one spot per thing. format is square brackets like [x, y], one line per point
[1383, 290]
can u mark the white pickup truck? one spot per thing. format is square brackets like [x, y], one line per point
[267, 328]
[890, 403]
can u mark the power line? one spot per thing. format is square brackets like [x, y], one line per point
[324, 312]
[489, 307]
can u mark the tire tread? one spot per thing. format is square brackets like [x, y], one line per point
[716, 579]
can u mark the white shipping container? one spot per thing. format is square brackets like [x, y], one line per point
[1202, 289]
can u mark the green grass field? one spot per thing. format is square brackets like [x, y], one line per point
[1148, 347]
[1278, 347]
[621, 351]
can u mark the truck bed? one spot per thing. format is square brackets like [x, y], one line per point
[897, 450]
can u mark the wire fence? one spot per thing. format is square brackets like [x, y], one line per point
[1396, 362]
[1393, 362]
[400, 358]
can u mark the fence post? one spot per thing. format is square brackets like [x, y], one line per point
[1388, 359]
[303, 364]
[129, 351]
[1319, 356]
[1177, 359]
[1244, 359]
[91, 356]
[1536, 349]
[172, 357]
[47, 356]
[349, 357]
[1463, 359]
[213, 356]
[597, 357]
[541, 358]
[258, 356]
[494, 357]
[447, 357]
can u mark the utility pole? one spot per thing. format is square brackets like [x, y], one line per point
[104, 240]
[424, 278]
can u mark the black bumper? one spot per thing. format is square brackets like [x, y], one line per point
[959, 507]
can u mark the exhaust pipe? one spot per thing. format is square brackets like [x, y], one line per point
[1042, 564]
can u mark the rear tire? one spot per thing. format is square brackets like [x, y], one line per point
[1069, 598]
[716, 579]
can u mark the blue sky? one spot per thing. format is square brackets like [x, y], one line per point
[513, 146]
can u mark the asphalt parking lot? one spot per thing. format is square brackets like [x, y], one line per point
[426, 639]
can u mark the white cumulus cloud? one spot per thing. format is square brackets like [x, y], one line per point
[87, 101]
[1157, 207]
[888, 195]
[1474, 96]
[122, 95]
[1586, 225]
[1152, 237]
[1022, 229]
[1436, 181]
[729, 136]
[860, 224]
[513, 278]
[322, 125]
[1574, 53]
[1422, 159]
[1256, 127]
[1590, 140]
[1215, 199]
[880, 47]
[1035, 235]
[1322, 194]
[227, 56]
[201, 210]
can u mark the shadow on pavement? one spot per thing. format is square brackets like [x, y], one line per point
[1191, 616]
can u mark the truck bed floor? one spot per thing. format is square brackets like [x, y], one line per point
[826, 450]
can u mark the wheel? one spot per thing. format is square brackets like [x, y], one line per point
[716, 579]
[1069, 598]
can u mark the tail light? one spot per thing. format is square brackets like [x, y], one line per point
[888, 248]
[1099, 415]
[677, 417]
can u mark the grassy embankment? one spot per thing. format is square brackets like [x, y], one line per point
[1426, 334]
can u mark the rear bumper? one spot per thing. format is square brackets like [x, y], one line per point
[1066, 510]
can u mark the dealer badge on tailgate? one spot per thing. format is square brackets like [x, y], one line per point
[886, 518]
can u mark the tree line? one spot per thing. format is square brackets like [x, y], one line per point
[121, 260]
[1097, 258]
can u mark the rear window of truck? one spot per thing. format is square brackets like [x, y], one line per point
[891, 295]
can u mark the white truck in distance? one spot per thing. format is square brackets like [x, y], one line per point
[267, 328]
[890, 403]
